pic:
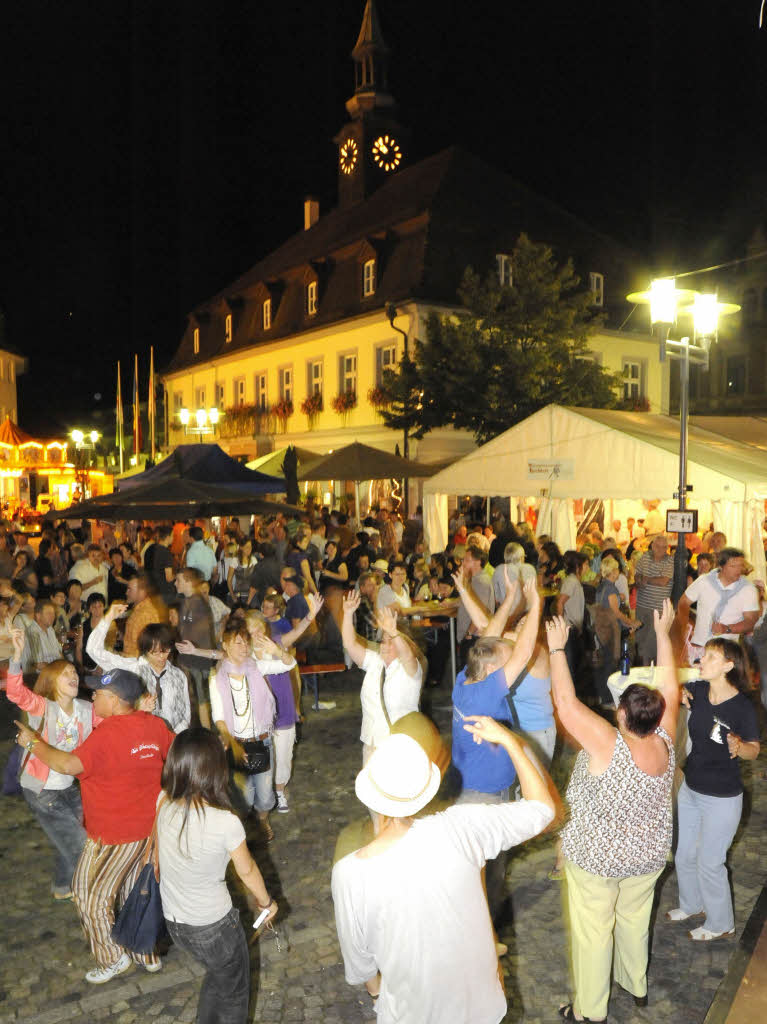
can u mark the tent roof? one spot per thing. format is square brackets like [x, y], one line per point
[614, 455]
[746, 429]
[206, 463]
[361, 462]
[11, 434]
[272, 462]
[172, 499]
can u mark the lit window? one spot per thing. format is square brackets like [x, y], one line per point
[314, 377]
[386, 359]
[632, 380]
[238, 396]
[286, 383]
[261, 394]
[266, 314]
[347, 373]
[368, 277]
[199, 398]
[597, 288]
[504, 265]
[228, 328]
[311, 298]
[196, 340]
[219, 396]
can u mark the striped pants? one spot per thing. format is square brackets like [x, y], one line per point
[104, 874]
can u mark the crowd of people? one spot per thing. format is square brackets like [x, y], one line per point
[190, 641]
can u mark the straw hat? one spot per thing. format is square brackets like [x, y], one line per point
[381, 565]
[399, 779]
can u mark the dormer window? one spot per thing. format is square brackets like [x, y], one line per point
[228, 328]
[597, 287]
[196, 341]
[368, 278]
[504, 267]
[266, 314]
[311, 299]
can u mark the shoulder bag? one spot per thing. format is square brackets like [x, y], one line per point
[141, 923]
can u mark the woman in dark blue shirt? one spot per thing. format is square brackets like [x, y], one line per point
[723, 729]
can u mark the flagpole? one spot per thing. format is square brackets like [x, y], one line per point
[119, 411]
[151, 398]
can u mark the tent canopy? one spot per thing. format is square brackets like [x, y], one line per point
[206, 463]
[172, 499]
[608, 454]
[361, 462]
[272, 462]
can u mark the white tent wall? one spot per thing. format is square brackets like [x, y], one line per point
[615, 455]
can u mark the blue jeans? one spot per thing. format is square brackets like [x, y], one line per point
[223, 950]
[258, 790]
[59, 813]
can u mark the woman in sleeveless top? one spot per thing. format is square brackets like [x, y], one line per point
[619, 834]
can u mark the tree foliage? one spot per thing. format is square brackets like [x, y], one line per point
[510, 350]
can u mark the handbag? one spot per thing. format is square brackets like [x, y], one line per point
[141, 923]
[256, 757]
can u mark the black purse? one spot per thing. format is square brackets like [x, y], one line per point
[256, 757]
[141, 923]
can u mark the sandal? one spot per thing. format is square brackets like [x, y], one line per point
[704, 935]
[267, 831]
[567, 1013]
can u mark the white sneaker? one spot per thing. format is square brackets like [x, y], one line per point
[704, 935]
[677, 914]
[282, 804]
[101, 974]
[153, 968]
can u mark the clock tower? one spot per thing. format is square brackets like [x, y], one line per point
[370, 146]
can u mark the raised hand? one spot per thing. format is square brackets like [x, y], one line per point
[116, 611]
[387, 620]
[18, 639]
[530, 590]
[265, 647]
[663, 620]
[556, 632]
[351, 602]
[483, 728]
[315, 602]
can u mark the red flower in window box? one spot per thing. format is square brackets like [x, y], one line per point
[312, 405]
[378, 397]
[345, 401]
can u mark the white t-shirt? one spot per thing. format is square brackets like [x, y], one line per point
[67, 738]
[83, 572]
[708, 595]
[418, 914]
[387, 596]
[192, 871]
[401, 693]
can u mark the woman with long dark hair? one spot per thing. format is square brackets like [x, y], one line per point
[198, 833]
[723, 729]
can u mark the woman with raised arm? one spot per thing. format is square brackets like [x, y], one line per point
[619, 834]
[62, 720]
[198, 833]
[393, 674]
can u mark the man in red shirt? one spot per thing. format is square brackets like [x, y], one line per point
[119, 767]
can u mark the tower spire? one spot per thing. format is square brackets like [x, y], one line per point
[371, 67]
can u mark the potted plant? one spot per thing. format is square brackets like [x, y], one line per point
[344, 402]
[378, 397]
[281, 411]
[311, 407]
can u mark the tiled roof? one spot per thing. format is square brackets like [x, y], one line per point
[426, 224]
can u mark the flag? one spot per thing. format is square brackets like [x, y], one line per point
[138, 441]
[151, 410]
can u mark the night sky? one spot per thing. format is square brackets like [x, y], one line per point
[156, 150]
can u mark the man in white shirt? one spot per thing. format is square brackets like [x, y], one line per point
[727, 603]
[41, 646]
[92, 572]
[199, 556]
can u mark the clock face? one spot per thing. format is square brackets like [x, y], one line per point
[347, 157]
[387, 153]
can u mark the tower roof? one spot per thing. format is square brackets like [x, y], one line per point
[370, 37]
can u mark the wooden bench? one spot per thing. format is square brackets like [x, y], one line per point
[310, 675]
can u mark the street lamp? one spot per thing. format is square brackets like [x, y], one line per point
[205, 421]
[667, 303]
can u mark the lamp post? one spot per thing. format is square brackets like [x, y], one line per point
[667, 303]
[205, 421]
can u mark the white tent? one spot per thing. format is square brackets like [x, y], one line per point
[569, 453]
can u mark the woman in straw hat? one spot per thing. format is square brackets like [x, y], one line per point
[410, 908]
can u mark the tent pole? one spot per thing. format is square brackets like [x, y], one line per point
[357, 503]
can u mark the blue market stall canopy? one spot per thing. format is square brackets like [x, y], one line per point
[205, 463]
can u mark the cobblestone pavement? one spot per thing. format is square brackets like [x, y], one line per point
[43, 956]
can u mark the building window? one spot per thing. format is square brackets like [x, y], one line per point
[178, 402]
[314, 377]
[504, 265]
[368, 277]
[311, 298]
[219, 395]
[228, 328]
[266, 314]
[736, 375]
[286, 384]
[238, 395]
[347, 373]
[260, 390]
[386, 359]
[199, 398]
[196, 340]
[597, 287]
[632, 380]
